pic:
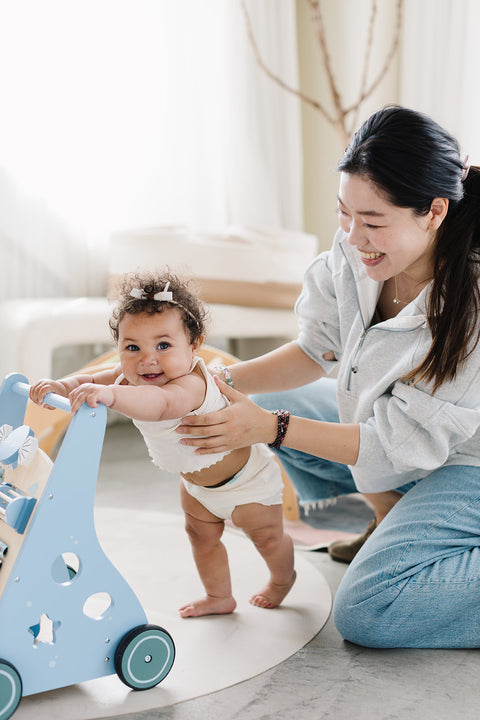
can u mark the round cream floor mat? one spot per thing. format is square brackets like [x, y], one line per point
[152, 552]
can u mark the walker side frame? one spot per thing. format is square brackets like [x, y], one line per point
[66, 614]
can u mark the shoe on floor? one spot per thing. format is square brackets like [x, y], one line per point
[345, 550]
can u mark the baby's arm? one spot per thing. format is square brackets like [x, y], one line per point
[142, 402]
[64, 386]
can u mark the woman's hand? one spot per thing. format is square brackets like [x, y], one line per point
[92, 394]
[239, 425]
[41, 388]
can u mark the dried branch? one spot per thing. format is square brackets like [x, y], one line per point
[339, 119]
[366, 93]
[276, 78]
[366, 62]
[318, 20]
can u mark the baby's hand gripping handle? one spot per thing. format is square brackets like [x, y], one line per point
[52, 399]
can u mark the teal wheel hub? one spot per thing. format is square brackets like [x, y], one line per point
[144, 657]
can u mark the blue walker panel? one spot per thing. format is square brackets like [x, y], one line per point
[64, 607]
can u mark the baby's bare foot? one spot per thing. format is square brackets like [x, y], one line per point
[272, 594]
[209, 605]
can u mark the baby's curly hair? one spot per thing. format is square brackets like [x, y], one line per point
[146, 286]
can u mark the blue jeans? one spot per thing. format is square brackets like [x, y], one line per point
[416, 581]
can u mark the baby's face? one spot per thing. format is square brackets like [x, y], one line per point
[154, 349]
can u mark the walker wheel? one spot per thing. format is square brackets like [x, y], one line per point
[144, 656]
[10, 689]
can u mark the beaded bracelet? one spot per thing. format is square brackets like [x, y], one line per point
[283, 418]
[225, 372]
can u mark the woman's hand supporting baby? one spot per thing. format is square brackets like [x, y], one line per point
[239, 425]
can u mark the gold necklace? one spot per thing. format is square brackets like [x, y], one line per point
[396, 299]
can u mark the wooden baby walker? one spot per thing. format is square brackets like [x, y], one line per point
[66, 613]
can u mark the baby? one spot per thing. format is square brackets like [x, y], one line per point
[158, 325]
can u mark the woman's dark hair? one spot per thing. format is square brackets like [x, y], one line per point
[145, 286]
[412, 160]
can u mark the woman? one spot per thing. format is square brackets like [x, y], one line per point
[394, 307]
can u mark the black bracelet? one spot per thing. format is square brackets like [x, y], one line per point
[283, 418]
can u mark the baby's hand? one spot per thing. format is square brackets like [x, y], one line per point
[92, 394]
[44, 386]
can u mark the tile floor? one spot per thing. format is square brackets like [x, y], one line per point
[328, 679]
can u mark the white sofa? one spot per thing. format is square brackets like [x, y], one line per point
[248, 278]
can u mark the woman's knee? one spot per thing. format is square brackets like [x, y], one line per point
[364, 621]
[350, 619]
[377, 604]
[368, 599]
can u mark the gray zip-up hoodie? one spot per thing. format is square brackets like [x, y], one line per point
[406, 431]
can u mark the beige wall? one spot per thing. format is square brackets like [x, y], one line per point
[346, 23]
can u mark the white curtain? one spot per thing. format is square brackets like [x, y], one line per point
[118, 114]
[439, 68]
[264, 145]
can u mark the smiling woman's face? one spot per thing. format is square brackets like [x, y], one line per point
[389, 239]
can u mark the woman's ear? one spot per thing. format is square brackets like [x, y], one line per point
[438, 211]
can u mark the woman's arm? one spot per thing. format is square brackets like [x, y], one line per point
[244, 423]
[285, 368]
[337, 442]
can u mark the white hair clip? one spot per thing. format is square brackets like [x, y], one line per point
[164, 295]
[465, 169]
[138, 294]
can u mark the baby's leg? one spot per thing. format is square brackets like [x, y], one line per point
[205, 530]
[263, 524]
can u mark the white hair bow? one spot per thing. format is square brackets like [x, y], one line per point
[164, 295]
